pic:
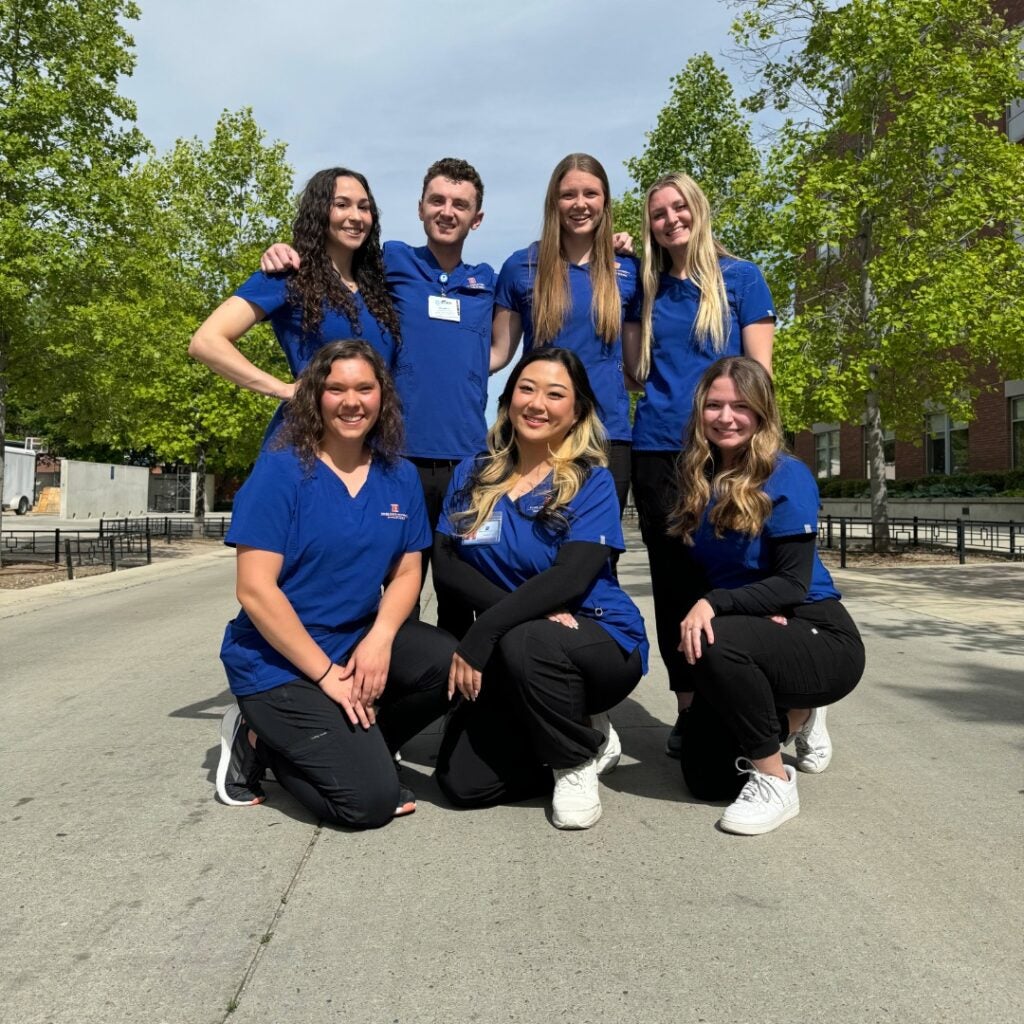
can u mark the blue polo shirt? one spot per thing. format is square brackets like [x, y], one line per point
[270, 293]
[678, 359]
[513, 547]
[337, 552]
[442, 365]
[737, 559]
[603, 362]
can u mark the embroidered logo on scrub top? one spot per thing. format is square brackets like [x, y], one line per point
[472, 282]
[394, 514]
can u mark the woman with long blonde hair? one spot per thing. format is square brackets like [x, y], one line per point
[528, 530]
[570, 289]
[699, 303]
[769, 644]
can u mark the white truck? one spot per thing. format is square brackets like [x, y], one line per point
[19, 479]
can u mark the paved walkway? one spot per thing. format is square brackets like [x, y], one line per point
[131, 896]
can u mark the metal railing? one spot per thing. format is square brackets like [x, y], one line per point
[959, 535]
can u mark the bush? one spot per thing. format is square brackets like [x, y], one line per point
[1009, 484]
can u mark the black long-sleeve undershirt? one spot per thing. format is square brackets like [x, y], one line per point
[565, 582]
[778, 594]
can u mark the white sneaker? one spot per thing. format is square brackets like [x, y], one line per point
[576, 803]
[764, 803]
[813, 743]
[610, 751]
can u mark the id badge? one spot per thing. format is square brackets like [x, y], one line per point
[488, 533]
[441, 307]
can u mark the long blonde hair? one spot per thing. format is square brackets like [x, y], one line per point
[551, 295]
[740, 501]
[701, 266]
[583, 448]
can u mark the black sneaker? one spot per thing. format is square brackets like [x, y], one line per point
[674, 743]
[239, 773]
[406, 802]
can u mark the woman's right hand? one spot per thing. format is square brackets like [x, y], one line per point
[278, 258]
[464, 678]
[338, 686]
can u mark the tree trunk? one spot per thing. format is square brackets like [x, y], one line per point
[200, 511]
[876, 474]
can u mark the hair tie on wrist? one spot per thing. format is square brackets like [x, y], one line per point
[324, 676]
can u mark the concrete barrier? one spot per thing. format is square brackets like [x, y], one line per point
[92, 490]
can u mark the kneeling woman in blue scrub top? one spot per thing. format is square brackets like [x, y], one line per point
[770, 644]
[338, 291]
[525, 538]
[570, 289]
[329, 676]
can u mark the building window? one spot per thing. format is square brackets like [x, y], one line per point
[826, 453]
[945, 446]
[1017, 432]
[889, 449]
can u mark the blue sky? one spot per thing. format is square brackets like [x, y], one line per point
[388, 86]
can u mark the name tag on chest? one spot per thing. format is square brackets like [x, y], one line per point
[488, 533]
[441, 307]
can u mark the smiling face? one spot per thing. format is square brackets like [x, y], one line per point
[542, 408]
[350, 401]
[350, 218]
[581, 202]
[671, 220]
[729, 420]
[448, 210]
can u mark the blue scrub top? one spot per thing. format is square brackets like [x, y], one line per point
[441, 366]
[337, 552]
[517, 547]
[737, 559]
[678, 360]
[602, 362]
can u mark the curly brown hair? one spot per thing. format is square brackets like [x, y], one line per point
[303, 425]
[316, 283]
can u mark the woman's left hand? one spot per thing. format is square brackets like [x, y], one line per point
[464, 678]
[368, 668]
[697, 621]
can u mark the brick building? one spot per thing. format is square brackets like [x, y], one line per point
[992, 441]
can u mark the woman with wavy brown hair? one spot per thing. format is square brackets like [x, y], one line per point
[329, 676]
[337, 292]
[769, 645]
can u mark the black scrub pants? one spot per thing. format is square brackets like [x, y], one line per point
[539, 686]
[751, 675]
[677, 582]
[342, 773]
[453, 614]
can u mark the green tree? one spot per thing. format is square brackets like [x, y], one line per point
[703, 132]
[898, 230]
[65, 137]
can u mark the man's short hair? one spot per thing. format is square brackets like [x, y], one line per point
[454, 169]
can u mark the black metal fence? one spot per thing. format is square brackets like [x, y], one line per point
[119, 543]
[959, 535]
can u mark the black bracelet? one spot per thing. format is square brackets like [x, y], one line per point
[324, 676]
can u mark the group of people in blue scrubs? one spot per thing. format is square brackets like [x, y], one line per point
[378, 463]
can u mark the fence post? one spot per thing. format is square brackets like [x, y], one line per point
[828, 531]
[113, 554]
[71, 565]
[960, 544]
[915, 532]
[149, 545]
[167, 529]
[101, 528]
[842, 543]
[56, 546]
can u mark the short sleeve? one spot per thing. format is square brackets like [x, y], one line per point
[509, 289]
[269, 292]
[264, 507]
[632, 308]
[594, 512]
[418, 534]
[753, 299]
[794, 495]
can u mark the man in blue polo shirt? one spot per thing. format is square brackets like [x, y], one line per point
[444, 307]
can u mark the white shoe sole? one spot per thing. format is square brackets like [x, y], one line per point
[607, 761]
[228, 725]
[757, 828]
[577, 822]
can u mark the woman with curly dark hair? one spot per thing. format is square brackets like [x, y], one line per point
[525, 539]
[329, 676]
[338, 291]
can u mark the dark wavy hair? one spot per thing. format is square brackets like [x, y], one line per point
[316, 283]
[454, 169]
[303, 425]
[584, 447]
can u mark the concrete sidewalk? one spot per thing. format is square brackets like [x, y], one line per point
[131, 895]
